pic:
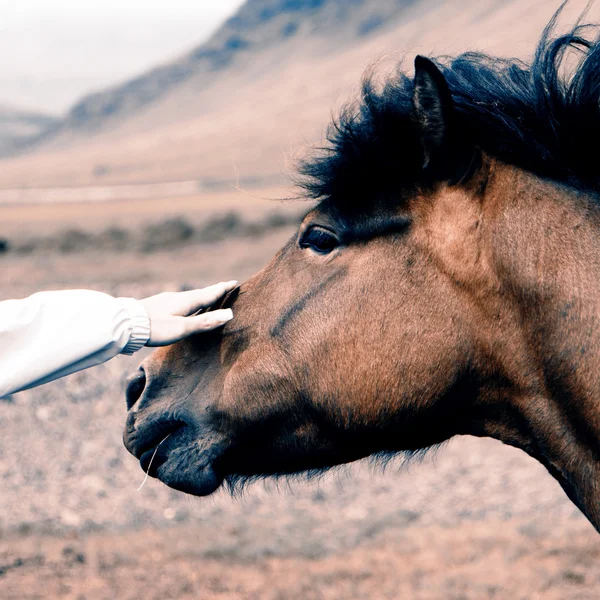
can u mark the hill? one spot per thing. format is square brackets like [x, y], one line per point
[18, 125]
[259, 24]
[240, 105]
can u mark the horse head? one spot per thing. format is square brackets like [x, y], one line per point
[445, 282]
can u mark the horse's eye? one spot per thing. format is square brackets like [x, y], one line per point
[319, 239]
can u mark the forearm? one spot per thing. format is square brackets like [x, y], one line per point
[52, 334]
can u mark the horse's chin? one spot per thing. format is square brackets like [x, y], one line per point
[193, 480]
[186, 462]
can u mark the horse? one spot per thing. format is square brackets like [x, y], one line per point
[446, 281]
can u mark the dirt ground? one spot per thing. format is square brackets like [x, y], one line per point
[490, 559]
[473, 519]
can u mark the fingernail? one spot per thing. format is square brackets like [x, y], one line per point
[227, 315]
[233, 283]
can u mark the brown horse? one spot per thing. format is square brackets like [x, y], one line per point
[447, 282]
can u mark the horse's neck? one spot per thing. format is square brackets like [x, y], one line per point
[545, 244]
[546, 247]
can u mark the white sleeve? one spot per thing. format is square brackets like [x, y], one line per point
[53, 334]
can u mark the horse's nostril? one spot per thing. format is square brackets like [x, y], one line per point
[135, 388]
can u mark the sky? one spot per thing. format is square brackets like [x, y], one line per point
[54, 51]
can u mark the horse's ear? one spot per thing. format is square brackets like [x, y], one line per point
[433, 111]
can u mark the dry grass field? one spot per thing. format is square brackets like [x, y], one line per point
[472, 520]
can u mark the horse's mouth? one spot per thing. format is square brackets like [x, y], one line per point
[151, 460]
[179, 456]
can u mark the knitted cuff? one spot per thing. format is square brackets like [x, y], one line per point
[139, 325]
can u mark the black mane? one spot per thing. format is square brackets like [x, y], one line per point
[528, 115]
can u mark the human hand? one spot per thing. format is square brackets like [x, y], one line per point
[169, 313]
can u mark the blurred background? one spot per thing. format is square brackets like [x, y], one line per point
[146, 146]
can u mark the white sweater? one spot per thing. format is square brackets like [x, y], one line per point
[53, 334]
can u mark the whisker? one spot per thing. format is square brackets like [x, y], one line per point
[150, 464]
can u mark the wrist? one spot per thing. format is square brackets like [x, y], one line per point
[139, 323]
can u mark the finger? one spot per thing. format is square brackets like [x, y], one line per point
[193, 300]
[208, 321]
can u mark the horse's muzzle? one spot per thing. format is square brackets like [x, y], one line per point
[175, 448]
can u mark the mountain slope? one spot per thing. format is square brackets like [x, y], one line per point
[259, 24]
[17, 125]
[263, 86]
